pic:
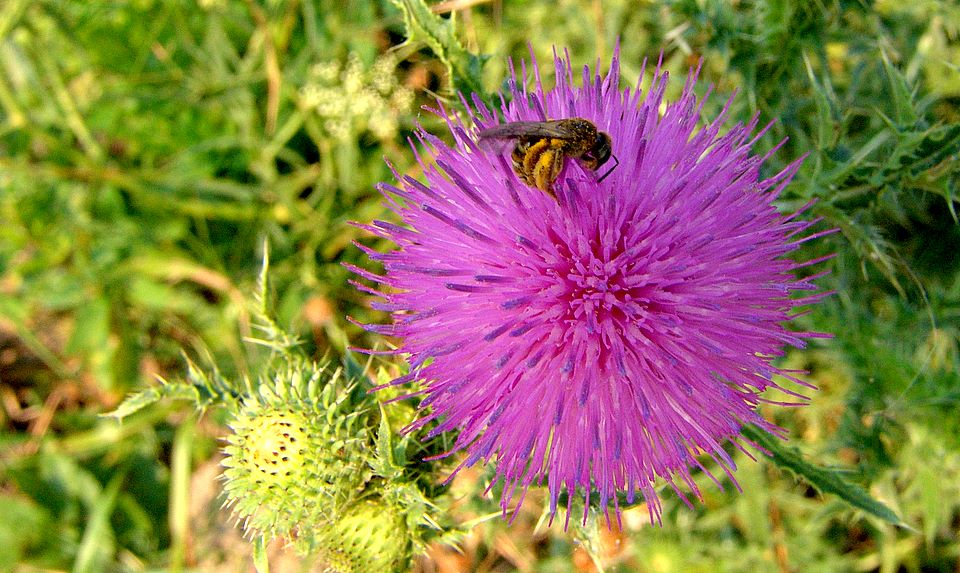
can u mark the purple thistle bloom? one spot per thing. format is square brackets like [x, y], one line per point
[604, 339]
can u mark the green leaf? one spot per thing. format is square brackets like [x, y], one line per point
[260, 560]
[440, 36]
[142, 399]
[99, 541]
[867, 241]
[184, 442]
[91, 338]
[932, 490]
[386, 465]
[351, 368]
[203, 389]
[824, 110]
[23, 528]
[900, 93]
[823, 479]
[926, 150]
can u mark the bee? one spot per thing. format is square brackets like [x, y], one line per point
[543, 146]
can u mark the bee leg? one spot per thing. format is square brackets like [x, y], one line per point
[529, 153]
[518, 158]
[547, 169]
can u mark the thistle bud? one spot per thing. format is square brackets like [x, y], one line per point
[296, 456]
[371, 536]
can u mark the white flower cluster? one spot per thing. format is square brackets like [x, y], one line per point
[352, 98]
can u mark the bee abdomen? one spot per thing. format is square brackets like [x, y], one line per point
[531, 158]
[547, 169]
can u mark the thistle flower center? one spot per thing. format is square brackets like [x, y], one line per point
[276, 444]
[598, 286]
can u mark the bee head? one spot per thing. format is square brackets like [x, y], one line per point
[602, 149]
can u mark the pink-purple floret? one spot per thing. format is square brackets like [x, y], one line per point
[601, 341]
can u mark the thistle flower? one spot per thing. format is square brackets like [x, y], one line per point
[603, 339]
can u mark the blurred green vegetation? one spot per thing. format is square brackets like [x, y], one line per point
[148, 147]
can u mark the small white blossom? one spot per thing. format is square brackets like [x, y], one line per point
[352, 98]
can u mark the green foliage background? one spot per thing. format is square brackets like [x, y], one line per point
[148, 147]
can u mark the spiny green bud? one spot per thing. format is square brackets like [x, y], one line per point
[371, 536]
[278, 441]
[297, 455]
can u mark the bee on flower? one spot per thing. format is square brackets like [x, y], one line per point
[596, 330]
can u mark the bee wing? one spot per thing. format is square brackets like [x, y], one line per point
[515, 129]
